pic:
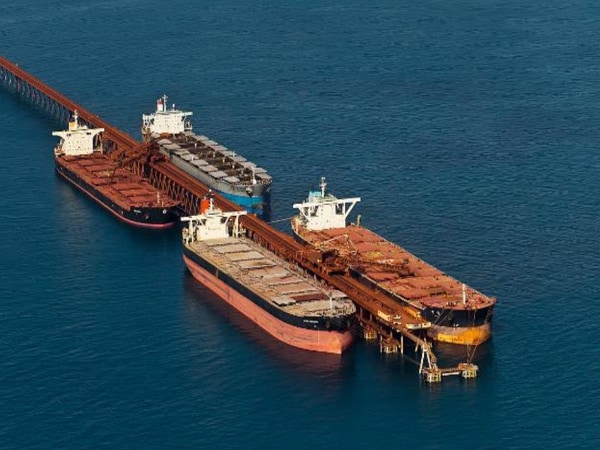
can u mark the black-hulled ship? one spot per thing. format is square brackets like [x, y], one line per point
[270, 292]
[458, 313]
[80, 159]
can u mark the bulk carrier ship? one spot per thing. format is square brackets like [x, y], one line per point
[459, 314]
[80, 159]
[213, 164]
[275, 295]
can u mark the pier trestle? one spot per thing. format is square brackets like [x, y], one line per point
[381, 317]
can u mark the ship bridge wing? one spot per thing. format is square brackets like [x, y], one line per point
[166, 121]
[325, 213]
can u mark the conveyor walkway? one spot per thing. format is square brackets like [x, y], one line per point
[380, 316]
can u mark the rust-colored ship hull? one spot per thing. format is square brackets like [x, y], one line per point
[459, 314]
[126, 196]
[318, 340]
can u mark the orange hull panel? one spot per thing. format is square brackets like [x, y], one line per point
[461, 335]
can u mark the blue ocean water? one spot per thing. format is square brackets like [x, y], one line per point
[469, 129]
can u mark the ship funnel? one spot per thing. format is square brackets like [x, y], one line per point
[74, 122]
[206, 203]
[161, 104]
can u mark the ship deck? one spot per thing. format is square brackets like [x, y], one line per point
[214, 158]
[395, 269]
[271, 278]
[117, 183]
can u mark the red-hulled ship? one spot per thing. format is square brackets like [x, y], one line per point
[79, 158]
[459, 314]
[270, 292]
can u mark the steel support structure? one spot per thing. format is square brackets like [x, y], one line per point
[188, 191]
[57, 106]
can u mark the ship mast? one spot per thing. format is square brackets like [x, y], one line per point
[323, 185]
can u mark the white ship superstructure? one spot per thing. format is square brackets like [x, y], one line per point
[322, 211]
[271, 292]
[213, 164]
[78, 139]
